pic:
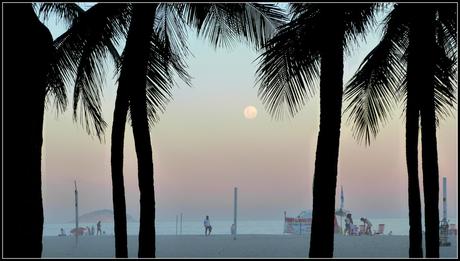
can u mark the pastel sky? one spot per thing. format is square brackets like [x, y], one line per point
[203, 147]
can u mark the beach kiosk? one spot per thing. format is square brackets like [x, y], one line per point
[302, 223]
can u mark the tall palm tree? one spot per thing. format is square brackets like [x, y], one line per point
[29, 83]
[415, 62]
[92, 36]
[82, 51]
[312, 44]
[138, 67]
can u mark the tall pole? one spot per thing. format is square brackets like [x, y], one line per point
[444, 226]
[342, 202]
[176, 225]
[76, 214]
[444, 198]
[181, 223]
[235, 211]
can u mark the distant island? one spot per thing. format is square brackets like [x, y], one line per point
[104, 215]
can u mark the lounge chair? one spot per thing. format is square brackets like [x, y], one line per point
[354, 230]
[452, 229]
[361, 229]
[380, 230]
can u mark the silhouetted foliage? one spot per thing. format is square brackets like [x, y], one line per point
[97, 31]
[312, 45]
[409, 61]
[29, 77]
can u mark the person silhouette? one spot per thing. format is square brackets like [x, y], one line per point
[207, 226]
[348, 224]
[99, 230]
[367, 226]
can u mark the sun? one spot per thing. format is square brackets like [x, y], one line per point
[250, 112]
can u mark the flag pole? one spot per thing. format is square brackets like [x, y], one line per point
[76, 214]
[341, 209]
[234, 210]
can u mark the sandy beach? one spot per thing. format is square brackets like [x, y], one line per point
[245, 246]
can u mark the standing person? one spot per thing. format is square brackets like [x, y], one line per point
[92, 230]
[207, 226]
[348, 223]
[367, 226]
[99, 231]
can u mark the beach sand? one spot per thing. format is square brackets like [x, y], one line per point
[244, 246]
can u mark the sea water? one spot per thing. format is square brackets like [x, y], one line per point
[397, 226]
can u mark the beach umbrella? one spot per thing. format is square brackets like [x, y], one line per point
[79, 231]
[342, 212]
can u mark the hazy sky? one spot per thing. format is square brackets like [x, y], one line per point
[203, 147]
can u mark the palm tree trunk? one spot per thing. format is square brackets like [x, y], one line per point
[412, 130]
[118, 187]
[429, 143]
[420, 62]
[135, 69]
[327, 150]
[430, 177]
[28, 48]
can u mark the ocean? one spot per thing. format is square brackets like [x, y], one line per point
[398, 226]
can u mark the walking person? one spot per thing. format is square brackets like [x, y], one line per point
[99, 230]
[207, 226]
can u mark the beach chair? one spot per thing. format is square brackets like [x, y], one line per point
[354, 230]
[452, 229]
[380, 230]
[361, 229]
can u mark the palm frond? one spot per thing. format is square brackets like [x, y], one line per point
[67, 12]
[171, 34]
[223, 24]
[55, 86]
[297, 9]
[359, 18]
[259, 22]
[194, 14]
[159, 79]
[83, 50]
[445, 86]
[446, 29]
[373, 90]
[447, 16]
[289, 67]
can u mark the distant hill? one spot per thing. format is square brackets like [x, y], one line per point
[104, 215]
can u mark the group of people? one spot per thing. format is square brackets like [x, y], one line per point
[349, 226]
[89, 231]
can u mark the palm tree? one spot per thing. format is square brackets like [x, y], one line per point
[29, 83]
[80, 51]
[160, 27]
[312, 44]
[415, 62]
